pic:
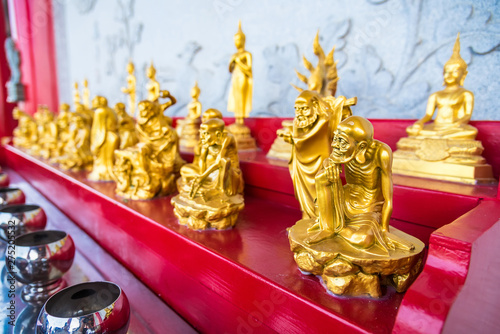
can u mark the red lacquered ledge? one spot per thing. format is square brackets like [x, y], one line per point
[242, 280]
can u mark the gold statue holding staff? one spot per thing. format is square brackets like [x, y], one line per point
[446, 148]
[104, 140]
[350, 243]
[189, 127]
[130, 90]
[240, 93]
[210, 190]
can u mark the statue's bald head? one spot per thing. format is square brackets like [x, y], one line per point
[358, 128]
[212, 125]
[211, 114]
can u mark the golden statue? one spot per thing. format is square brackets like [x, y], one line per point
[86, 94]
[154, 91]
[104, 140]
[350, 243]
[126, 127]
[26, 133]
[189, 127]
[149, 168]
[46, 145]
[62, 124]
[313, 126]
[323, 80]
[76, 95]
[77, 154]
[211, 191]
[130, 89]
[445, 149]
[240, 93]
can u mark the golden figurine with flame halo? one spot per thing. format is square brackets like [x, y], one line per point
[240, 93]
[446, 148]
[189, 127]
[350, 243]
[211, 190]
[130, 90]
[322, 80]
[149, 168]
[104, 140]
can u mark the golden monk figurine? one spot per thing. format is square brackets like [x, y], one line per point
[77, 154]
[62, 124]
[211, 190]
[86, 94]
[47, 133]
[313, 126]
[350, 243]
[130, 90]
[126, 127]
[446, 148]
[189, 127]
[104, 140]
[149, 168]
[26, 133]
[240, 93]
[323, 80]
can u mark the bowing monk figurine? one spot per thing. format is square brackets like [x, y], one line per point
[210, 190]
[445, 148]
[351, 232]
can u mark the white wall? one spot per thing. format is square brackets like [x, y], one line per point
[390, 53]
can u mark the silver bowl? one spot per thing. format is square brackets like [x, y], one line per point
[4, 180]
[92, 307]
[11, 196]
[19, 219]
[40, 260]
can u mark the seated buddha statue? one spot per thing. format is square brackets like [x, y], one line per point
[189, 127]
[210, 190]
[446, 147]
[351, 236]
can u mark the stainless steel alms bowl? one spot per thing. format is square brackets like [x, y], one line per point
[40, 260]
[4, 179]
[19, 219]
[92, 307]
[11, 196]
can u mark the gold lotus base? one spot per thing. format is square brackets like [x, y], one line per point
[244, 140]
[220, 213]
[351, 271]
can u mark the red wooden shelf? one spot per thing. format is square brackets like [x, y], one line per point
[245, 280]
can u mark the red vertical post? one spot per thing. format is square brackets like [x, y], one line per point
[7, 123]
[36, 42]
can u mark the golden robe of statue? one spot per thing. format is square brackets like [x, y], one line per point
[240, 66]
[104, 140]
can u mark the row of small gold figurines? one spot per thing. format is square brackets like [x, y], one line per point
[342, 226]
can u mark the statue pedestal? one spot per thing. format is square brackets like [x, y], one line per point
[244, 140]
[443, 159]
[281, 149]
[189, 133]
[220, 212]
[350, 271]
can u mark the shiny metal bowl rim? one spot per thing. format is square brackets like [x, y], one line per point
[66, 235]
[9, 206]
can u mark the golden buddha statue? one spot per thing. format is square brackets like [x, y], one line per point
[47, 133]
[350, 242]
[323, 80]
[154, 91]
[189, 127]
[126, 127]
[104, 140]
[130, 90]
[240, 93]
[446, 148]
[76, 95]
[210, 190]
[86, 94]
[311, 135]
[26, 133]
[149, 168]
[77, 154]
